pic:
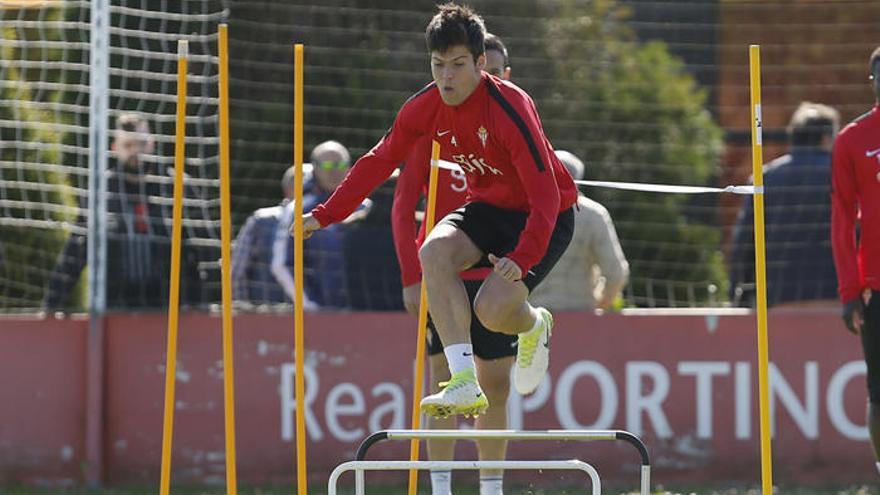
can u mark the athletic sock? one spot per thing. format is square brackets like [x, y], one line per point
[441, 482]
[460, 357]
[491, 485]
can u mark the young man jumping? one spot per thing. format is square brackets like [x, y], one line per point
[493, 351]
[518, 217]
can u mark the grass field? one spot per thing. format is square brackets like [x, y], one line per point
[465, 490]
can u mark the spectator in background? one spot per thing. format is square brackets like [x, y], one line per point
[796, 222]
[138, 230]
[372, 272]
[855, 205]
[252, 278]
[494, 351]
[593, 270]
[323, 255]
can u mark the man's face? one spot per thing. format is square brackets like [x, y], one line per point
[330, 169]
[129, 146]
[495, 64]
[456, 73]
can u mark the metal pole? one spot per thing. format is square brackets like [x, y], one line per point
[99, 71]
[174, 288]
[299, 330]
[419, 378]
[760, 268]
[226, 261]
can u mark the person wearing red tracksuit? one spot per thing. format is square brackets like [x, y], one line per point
[855, 201]
[494, 351]
[518, 218]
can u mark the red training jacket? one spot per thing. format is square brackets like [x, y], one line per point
[496, 137]
[412, 182]
[855, 196]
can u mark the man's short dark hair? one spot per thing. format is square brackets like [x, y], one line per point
[493, 42]
[874, 60]
[811, 122]
[454, 25]
[131, 122]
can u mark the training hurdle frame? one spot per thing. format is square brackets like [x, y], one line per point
[359, 465]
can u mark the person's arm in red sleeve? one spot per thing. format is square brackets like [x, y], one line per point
[844, 211]
[373, 168]
[531, 157]
[403, 225]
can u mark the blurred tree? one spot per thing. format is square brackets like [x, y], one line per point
[633, 114]
[32, 194]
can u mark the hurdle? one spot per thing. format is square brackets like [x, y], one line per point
[359, 465]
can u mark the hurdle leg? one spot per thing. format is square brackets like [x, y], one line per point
[359, 482]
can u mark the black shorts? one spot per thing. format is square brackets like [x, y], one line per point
[496, 230]
[870, 336]
[487, 344]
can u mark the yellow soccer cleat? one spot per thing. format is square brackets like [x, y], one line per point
[460, 395]
[533, 355]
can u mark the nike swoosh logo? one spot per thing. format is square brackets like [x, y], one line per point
[443, 133]
[871, 153]
[467, 354]
[479, 395]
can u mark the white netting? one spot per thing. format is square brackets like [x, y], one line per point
[44, 79]
[633, 109]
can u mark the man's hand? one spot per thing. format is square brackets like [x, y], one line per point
[310, 225]
[605, 302]
[506, 268]
[412, 297]
[853, 315]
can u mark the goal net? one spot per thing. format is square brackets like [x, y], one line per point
[651, 92]
[44, 121]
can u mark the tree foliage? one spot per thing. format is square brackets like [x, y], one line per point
[27, 252]
[632, 112]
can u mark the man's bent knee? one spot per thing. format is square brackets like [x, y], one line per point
[491, 313]
[436, 254]
[497, 306]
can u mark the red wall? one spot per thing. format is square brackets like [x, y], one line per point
[687, 385]
[42, 400]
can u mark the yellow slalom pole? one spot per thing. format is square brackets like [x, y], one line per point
[174, 288]
[226, 263]
[299, 354]
[423, 322]
[760, 269]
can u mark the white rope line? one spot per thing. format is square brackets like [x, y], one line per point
[638, 186]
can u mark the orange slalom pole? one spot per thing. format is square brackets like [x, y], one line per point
[226, 263]
[423, 322]
[760, 268]
[174, 289]
[299, 354]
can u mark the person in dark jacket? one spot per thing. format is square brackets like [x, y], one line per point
[797, 205]
[138, 231]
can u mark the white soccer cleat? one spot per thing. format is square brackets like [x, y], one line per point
[533, 355]
[460, 395]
